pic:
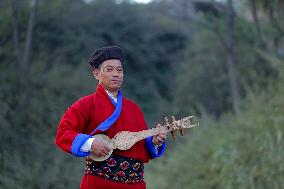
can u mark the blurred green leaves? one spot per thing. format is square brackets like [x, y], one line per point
[238, 151]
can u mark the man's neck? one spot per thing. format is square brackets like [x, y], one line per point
[114, 93]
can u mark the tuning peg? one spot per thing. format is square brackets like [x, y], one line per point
[182, 131]
[167, 125]
[167, 121]
[174, 119]
[173, 134]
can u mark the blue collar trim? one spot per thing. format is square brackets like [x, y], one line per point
[105, 125]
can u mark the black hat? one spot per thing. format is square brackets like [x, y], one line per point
[105, 53]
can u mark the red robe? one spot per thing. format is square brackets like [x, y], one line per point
[86, 114]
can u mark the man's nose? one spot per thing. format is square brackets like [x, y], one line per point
[116, 73]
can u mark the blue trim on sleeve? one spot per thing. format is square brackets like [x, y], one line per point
[79, 140]
[152, 150]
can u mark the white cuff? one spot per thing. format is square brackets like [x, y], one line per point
[87, 146]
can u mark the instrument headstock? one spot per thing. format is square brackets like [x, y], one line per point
[180, 125]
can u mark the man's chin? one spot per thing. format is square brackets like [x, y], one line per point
[115, 87]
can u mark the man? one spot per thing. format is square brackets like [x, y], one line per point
[107, 112]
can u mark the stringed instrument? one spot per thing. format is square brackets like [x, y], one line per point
[124, 140]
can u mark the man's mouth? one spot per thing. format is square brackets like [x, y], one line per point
[115, 81]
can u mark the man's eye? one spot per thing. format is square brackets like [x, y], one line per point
[109, 69]
[120, 70]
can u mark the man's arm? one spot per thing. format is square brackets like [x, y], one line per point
[69, 136]
[154, 149]
[155, 145]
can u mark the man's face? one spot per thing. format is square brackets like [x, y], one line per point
[110, 74]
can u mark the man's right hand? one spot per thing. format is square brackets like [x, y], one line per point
[100, 148]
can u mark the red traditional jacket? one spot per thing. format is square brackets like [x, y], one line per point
[88, 112]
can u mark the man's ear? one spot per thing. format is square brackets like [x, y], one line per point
[96, 73]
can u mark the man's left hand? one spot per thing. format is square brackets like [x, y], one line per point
[159, 138]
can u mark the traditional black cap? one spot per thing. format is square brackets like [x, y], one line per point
[105, 53]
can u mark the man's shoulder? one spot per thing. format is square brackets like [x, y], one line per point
[84, 102]
[88, 97]
[131, 103]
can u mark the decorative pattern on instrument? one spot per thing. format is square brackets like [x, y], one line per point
[124, 140]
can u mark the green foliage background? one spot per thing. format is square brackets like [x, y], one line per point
[174, 65]
[237, 151]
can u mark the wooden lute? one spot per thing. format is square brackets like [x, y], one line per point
[124, 140]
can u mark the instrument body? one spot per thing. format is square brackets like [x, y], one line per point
[124, 140]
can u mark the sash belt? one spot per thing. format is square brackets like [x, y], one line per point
[117, 168]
